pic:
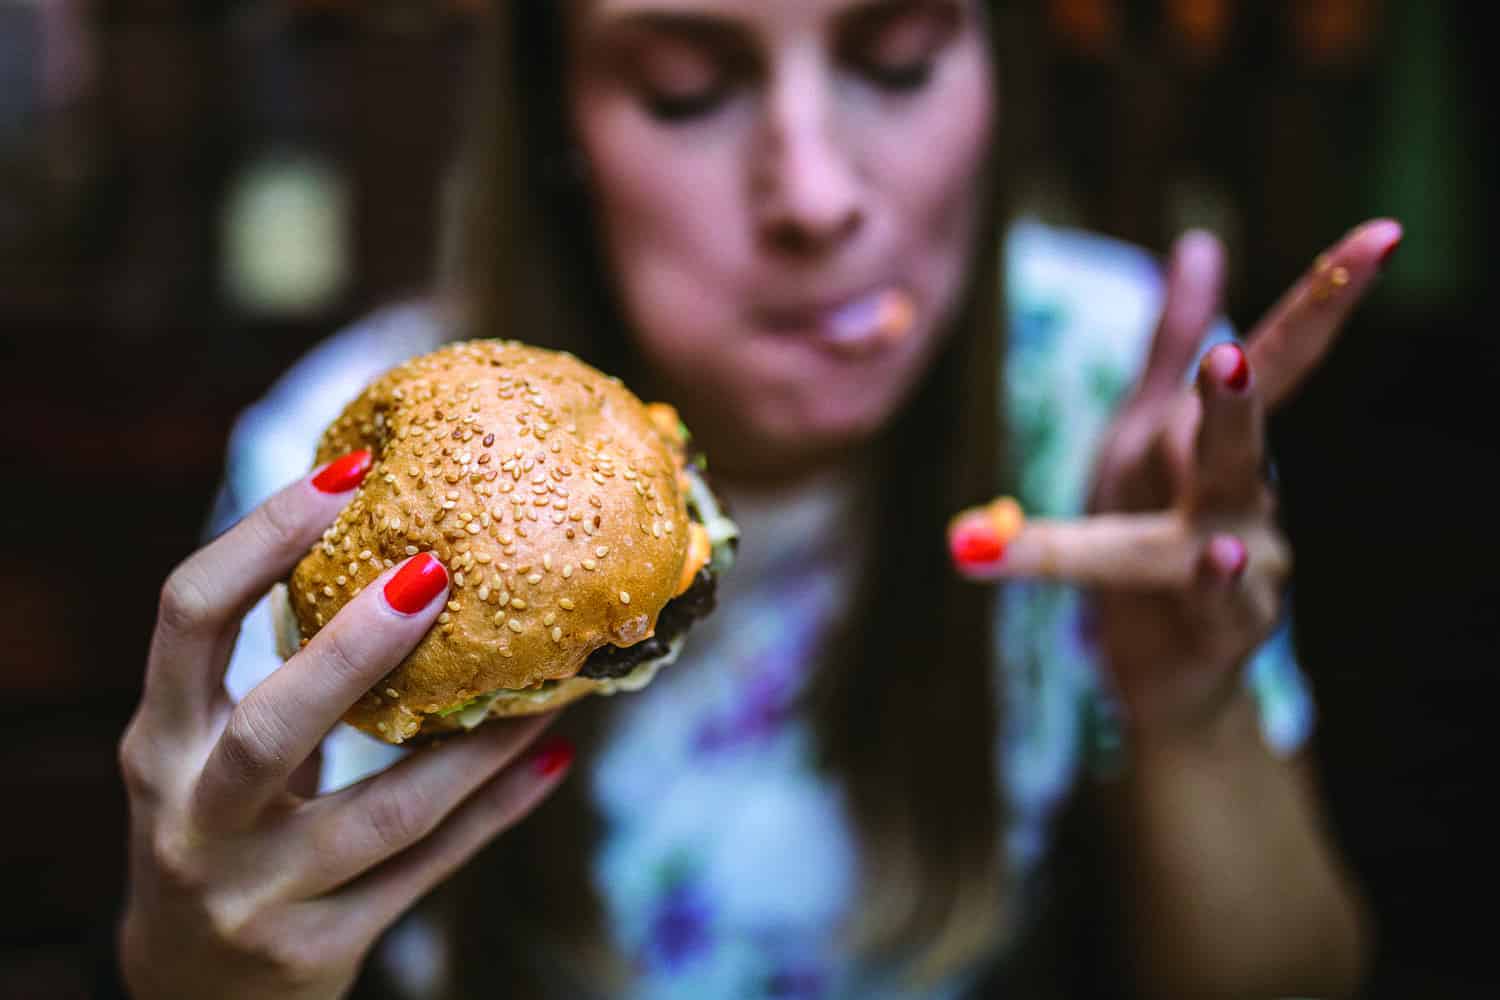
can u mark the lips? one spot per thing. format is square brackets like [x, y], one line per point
[856, 326]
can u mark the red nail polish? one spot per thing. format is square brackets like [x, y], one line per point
[553, 757]
[343, 475]
[975, 544]
[416, 584]
[1238, 377]
[1230, 556]
[1390, 251]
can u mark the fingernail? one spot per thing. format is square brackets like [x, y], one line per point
[344, 474]
[416, 584]
[1230, 367]
[975, 542]
[1390, 251]
[553, 757]
[1225, 558]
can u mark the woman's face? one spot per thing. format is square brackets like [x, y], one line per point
[787, 191]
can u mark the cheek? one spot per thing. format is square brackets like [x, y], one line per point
[936, 198]
[669, 212]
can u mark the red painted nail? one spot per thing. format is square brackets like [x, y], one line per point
[416, 584]
[343, 475]
[976, 544]
[1228, 557]
[1390, 251]
[1237, 377]
[553, 757]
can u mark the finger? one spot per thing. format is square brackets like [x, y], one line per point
[281, 721]
[1138, 551]
[356, 829]
[1195, 281]
[1230, 446]
[1302, 327]
[377, 899]
[205, 598]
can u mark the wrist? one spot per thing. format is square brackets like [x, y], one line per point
[1226, 724]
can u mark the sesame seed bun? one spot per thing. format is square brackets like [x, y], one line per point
[555, 498]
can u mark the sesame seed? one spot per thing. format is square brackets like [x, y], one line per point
[499, 618]
[566, 604]
[458, 579]
[412, 550]
[341, 579]
[444, 618]
[557, 633]
[365, 553]
[392, 693]
[518, 604]
[602, 551]
[484, 592]
[567, 570]
[590, 565]
[550, 619]
[516, 626]
[624, 597]
[327, 591]
[547, 561]
[474, 528]
[534, 579]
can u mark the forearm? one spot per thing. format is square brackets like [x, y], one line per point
[1232, 886]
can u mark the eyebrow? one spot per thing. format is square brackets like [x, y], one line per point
[712, 27]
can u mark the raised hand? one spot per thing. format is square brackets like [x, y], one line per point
[1182, 548]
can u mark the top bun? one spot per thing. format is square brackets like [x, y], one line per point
[553, 496]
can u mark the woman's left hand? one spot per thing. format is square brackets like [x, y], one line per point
[1182, 546]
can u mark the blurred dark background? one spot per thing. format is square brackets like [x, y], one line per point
[192, 194]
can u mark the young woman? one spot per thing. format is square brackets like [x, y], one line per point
[844, 788]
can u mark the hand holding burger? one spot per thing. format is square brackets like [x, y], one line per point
[581, 538]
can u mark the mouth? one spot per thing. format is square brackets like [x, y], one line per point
[856, 327]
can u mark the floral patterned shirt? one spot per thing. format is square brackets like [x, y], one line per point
[728, 866]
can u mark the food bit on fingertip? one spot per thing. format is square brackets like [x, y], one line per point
[979, 536]
[1331, 279]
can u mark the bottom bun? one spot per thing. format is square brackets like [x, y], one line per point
[550, 697]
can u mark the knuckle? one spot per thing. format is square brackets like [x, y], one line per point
[279, 522]
[250, 745]
[342, 656]
[175, 863]
[184, 605]
[397, 821]
[136, 765]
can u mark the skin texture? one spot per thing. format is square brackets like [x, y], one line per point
[802, 181]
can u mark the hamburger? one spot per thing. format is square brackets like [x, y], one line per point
[580, 534]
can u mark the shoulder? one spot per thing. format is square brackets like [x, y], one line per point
[274, 439]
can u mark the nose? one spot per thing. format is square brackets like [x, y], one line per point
[806, 179]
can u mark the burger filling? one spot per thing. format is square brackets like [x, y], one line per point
[630, 668]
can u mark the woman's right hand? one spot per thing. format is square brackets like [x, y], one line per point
[239, 886]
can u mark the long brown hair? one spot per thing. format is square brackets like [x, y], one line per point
[904, 714]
